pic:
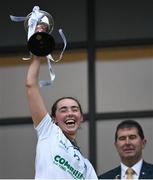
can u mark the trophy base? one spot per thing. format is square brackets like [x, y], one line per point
[41, 44]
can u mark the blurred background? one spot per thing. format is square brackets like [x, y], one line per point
[108, 66]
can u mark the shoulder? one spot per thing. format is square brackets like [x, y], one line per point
[45, 121]
[146, 171]
[147, 165]
[111, 174]
[46, 127]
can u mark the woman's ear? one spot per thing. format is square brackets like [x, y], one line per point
[82, 118]
[54, 120]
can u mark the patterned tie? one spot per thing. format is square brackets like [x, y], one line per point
[130, 173]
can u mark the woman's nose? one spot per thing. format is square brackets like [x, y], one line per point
[69, 111]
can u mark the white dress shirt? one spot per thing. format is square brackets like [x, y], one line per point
[136, 168]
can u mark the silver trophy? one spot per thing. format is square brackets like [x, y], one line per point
[39, 26]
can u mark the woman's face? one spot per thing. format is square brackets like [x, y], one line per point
[68, 117]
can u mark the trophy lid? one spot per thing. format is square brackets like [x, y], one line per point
[47, 20]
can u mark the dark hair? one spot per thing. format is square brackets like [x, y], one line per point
[130, 124]
[54, 107]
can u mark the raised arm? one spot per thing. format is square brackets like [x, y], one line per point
[36, 103]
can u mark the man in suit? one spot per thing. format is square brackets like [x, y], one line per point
[129, 142]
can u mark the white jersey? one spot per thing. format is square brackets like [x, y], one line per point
[56, 157]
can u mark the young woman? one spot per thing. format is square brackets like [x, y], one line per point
[57, 154]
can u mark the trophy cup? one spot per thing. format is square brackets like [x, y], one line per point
[39, 26]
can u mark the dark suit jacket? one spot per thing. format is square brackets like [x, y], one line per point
[145, 173]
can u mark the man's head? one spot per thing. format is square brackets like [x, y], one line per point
[67, 114]
[129, 141]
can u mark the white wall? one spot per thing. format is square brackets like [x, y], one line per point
[124, 85]
[17, 149]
